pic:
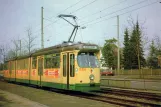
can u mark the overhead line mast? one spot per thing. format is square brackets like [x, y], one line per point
[42, 30]
[118, 53]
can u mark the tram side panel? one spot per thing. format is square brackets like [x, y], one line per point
[6, 71]
[34, 71]
[18, 71]
[51, 76]
[13, 70]
[26, 70]
[22, 72]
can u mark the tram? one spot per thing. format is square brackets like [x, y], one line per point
[68, 66]
[72, 66]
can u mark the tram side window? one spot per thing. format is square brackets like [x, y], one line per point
[52, 61]
[25, 63]
[34, 63]
[47, 62]
[13, 65]
[56, 61]
[64, 65]
[72, 65]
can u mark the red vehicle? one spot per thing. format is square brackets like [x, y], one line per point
[107, 72]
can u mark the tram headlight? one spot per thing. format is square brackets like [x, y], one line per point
[91, 77]
[76, 70]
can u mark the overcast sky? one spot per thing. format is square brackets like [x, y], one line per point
[18, 15]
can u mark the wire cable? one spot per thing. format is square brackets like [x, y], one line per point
[123, 13]
[116, 11]
[102, 10]
[83, 6]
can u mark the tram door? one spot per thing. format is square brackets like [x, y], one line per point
[68, 68]
[40, 70]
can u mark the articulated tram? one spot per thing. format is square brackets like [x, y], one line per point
[68, 66]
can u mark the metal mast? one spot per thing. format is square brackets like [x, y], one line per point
[42, 30]
[118, 53]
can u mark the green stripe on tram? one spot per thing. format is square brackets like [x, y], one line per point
[76, 87]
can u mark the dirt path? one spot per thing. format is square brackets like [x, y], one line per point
[8, 99]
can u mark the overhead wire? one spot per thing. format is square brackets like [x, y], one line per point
[115, 11]
[102, 10]
[123, 13]
[83, 6]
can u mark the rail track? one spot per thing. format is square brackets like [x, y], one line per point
[115, 99]
[134, 94]
[121, 101]
[129, 98]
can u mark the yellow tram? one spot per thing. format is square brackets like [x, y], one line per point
[69, 66]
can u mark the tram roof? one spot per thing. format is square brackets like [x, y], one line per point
[65, 47]
[61, 47]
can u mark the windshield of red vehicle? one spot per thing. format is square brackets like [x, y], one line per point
[87, 59]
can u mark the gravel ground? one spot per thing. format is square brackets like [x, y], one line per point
[23, 96]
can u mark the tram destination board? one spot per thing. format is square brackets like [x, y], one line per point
[90, 47]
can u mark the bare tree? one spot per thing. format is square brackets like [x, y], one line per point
[3, 52]
[30, 41]
[158, 42]
[16, 48]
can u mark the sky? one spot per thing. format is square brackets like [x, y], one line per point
[97, 17]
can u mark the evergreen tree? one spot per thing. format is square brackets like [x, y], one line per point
[132, 48]
[158, 45]
[135, 48]
[139, 47]
[126, 50]
[152, 58]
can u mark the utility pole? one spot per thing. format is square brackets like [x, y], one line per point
[42, 33]
[118, 53]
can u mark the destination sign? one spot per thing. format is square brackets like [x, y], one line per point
[90, 47]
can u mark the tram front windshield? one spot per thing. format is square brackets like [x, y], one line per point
[87, 59]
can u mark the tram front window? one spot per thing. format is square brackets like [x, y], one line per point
[87, 59]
